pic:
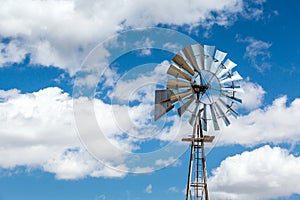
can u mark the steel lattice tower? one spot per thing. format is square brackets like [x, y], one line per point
[197, 176]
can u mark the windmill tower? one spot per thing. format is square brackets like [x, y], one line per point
[204, 85]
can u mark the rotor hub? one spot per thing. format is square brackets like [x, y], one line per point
[200, 88]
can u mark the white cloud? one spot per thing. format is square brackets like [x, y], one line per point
[138, 85]
[173, 189]
[78, 164]
[146, 46]
[6, 94]
[61, 33]
[100, 197]
[110, 77]
[133, 101]
[276, 123]
[37, 130]
[41, 123]
[173, 47]
[13, 52]
[253, 10]
[257, 51]
[143, 82]
[263, 173]
[148, 189]
[62, 39]
[167, 162]
[253, 95]
[140, 170]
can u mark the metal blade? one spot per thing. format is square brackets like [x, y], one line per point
[233, 112]
[219, 56]
[189, 55]
[182, 63]
[162, 103]
[174, 71]
[204, 118]
[194, 114]
[231, 89]
[214, 118]
[219, 68]
[181, 95]
[161, 109]
[174, 84]
[209, 50]
[185, 106]
[199, 55]
[228, 66]
[237, 100]
[216, 64]
[208, 56]
[223, 115]
[234, 77]
[163, 96]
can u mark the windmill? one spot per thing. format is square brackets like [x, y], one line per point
[204, 85]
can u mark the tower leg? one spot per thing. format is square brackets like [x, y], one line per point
[188, 188]
[203, 160]
[204, 172]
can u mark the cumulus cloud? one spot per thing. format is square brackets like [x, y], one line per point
[275, 123]
[62, 33]
[253, 95]
[78, 163]
[37, 130]
[263, 173]
[6, 94]
[257, 51]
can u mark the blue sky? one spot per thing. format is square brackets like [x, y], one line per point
[76, 99]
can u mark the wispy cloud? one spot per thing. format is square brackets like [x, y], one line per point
[253, 9]
[146, 46]
[100, 197]
[148, 189]
[257, 51]
[173, 189]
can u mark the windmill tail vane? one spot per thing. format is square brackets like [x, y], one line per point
[203, 84]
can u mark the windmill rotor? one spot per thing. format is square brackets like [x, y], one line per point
[203, 83]
[201, 80]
